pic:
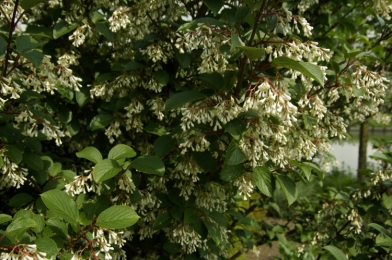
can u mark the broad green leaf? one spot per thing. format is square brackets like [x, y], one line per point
[101, 121]
[304, 168]
[387, 201]
[206, 161]
[33, 161]
[19, 226]
[214, 5]
[61, 205]
[310, 121]
[232, 172]
[27, 4]
[82, 97]
[214, 79]
[264, 180]
[236, 41]
[308, 69]
[241, 13]
[96, 16]
[336, 252]
[133, 65]
[163, 145]
[117, 217]
[5, 218]
[381, 156]
[121, 151]
[25, 43]
[235, 128]
[314, 168]
[161, 76]
[289, 188]
[62, 28]
[103, 28]
[252, 52]
[234, 155]
[39, 31]
[184, 59]
[182, 98]
[383, 240]
[48, 246]
[58, 226]
[14, 153]
[380, 229]
[162, 220]
[68, 175]
[106, 169]
[190, 216]
[40, 223]
[170, 247]
[66, 92]
[213, 231]
[149, 164]
[177, 212]
[3, 46]
[90, 153]
[20, 199]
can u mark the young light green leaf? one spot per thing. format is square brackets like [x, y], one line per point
[96, 16]
[182, 98]
[234, 155]
[383, 240]
[90, 153]
[5, 218]
[61, 205]
[117, 217]
[121, 151]
[263, 180]
[289, 188]
[252, 52]
[19, 226]
[336, 252]
[106, 169]
[149, 164]
[308, 69]
[380, 229]
[101, 121]
[162, 220]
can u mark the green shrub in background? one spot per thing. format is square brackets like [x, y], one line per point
[167, 129]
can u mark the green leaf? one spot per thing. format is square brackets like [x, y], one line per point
[214, 5]
[19, 226]
[380, 229]
[241, 13]
[48, 246]
[3, 46]
[182, 98]
[190, 216]
[184, 59]
[33, 161]
[101, 121]
[213, 231]
[304, 168]
[336, 252]
[62, 28]
[264, 180]
[103, 28]
[162, 77]
[236, 41]
[27, 4]
[383, 240]
[106, 169]
[58, 226]
[66, 92]
[117, 217]
[252, 52]
[149, 164]
[121, 151]
[162, 220]
[5, 218]
[96, 16]
[163, 145]
[61, 205]
[289, 188]
[90, 153]
[25, 43]
[13, 153]
[206, 161]
[39, 31]
[310, 121]
[156, 129]
[232, 172]
[308, 69]
[234, 155]
[214, 79]
[235, 128]
[20, 199]
[381, 156]
[68, 175]
[387, 201]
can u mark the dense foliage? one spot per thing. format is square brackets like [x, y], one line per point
[169, 129]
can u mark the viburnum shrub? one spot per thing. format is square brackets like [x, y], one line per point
[164, 129]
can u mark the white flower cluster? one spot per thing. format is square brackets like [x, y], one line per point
[120, 19]
[202, 37]
[24, 252]
[187, 237]
[106, 241]
[284, 19]
[79, 35]
[245, 186]
[382, 7]
[356, 221]
[83, 184]
[9, 87]
[12, 175]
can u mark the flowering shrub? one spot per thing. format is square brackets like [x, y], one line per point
[135, 129]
